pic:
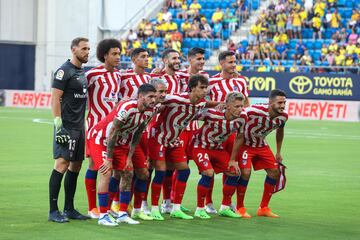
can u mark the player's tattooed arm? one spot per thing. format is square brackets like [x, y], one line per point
[279, 141]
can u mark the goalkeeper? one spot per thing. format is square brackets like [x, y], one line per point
[68, 103]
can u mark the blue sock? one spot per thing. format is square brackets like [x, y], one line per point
[91, 174]
[205, 181]
[159, 177]
[113, 185]
[183, 175]
[231, 180]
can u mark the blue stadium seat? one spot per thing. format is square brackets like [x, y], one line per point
[243, 61]
[208, 52]
[348, 13]
[158, 41]
[224, 4]
[202, 43]
[257, 62]
[283, 62]
[226, 33]
[341, 2]
[185, 51]
[292, 43]
[317, 54]
[186, 42]
[309, 44]
[208, 14]
[216, 43]
[327, 41]
[290, 53]
[245, 43]
[318, 44]
[327, 34]
[349, 4]
[194, 42]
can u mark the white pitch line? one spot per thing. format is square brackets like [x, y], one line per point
[41, 120]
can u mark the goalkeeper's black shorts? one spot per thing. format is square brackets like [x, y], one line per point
[73, 150]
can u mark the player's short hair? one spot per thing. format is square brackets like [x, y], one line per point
[166, 52]
[276, 92]
[146, 88]
[75, 42]
[196, 79]
[224, 54]
[136, 51]
[230, 97]
[157, 81]
[104, 47]
[196, 50]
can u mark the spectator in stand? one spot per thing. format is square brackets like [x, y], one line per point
[164, 28]
[296, 22]
[195, 6]
[303, 67]
[327, 19]
[157, 30]
[254, 32]
[217, 16]
[294, 68]
[316, 24]
[167, 44]
[176, 36]
[279, 67]
[183, 13]
[319, 8]
[136, 44]
[176, 45]
[271, 25]
[230, 20]
[167, 16]
[343, 35]
[265, 50]
[281, 50]
[272, 50]
[331, 3]
[172, 26]
[231, 46]
[195, 29]
[350, 48]
[262, 67]
[141, 35]
[241, 10]
[353, 37]
[217, 29]
[289, 26]
[152, 47]
[300, 49]
[186, 28]
[283, 37]
[174, 3]
[335, 21]
[355, 19]
[333, 46]
[336, 36]
[330, 58]
[324, 52]
[280, 21]
[307, 58]
[132, 36]
[308, 5]
[240, 52]
[303, 17]
[148, 29]
[205, 29]
[339, 60]
[124, 47]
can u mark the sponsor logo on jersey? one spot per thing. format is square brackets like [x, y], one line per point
[59, 74]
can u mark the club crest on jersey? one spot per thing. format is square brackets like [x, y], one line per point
[244, 162]
[236, 88]
[59, 74]
[122, 114]
[161, 154]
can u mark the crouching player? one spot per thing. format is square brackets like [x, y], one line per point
[262, 119]
[210, 156]
[112, 144]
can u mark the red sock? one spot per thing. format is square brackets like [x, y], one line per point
[228, 192]
[138, 198]
[179, 191]
[167, 187]
[124, 207]
[155, 193]
[112, 196]
[174, 177]
[90, 185]
[209, 192]
[268, 191]
[240, 196]
[116, 196]
[201, 194]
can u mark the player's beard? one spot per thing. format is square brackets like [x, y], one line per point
[82, 59]
[172, 66]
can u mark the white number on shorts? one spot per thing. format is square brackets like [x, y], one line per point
[202, 158]
[72, 143]
[245, 155]
[103, 155]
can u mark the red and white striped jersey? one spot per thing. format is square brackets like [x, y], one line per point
[103, 90]
[184, 76]
[259, 124]
[177, 113]
[130, 83]
[216, 129]
[220, 87]
[128, 114]
[172, 81]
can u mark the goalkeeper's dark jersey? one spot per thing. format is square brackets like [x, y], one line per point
[72, 81]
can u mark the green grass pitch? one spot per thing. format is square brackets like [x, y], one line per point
[321, 201]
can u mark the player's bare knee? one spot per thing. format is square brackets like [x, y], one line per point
[246, 173]
[61, 165]
[159, 165]
[75, 166]
[273, 173]
[142, 173]
[181, 166]
[209, 173]
[116, 174]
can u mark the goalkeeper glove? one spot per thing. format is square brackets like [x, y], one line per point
[62, 136]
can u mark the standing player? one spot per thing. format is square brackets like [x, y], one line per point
[210, 156]
[165, 150]
[171, 60]
[131, 80]
[68, 103]
[262, 119]
[103, 88]
[228, 80]
[113, 142]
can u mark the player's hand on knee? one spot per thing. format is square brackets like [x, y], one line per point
[106, 166]
[62, 136]
[233, 167]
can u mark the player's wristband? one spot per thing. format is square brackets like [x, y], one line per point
[109, 159]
